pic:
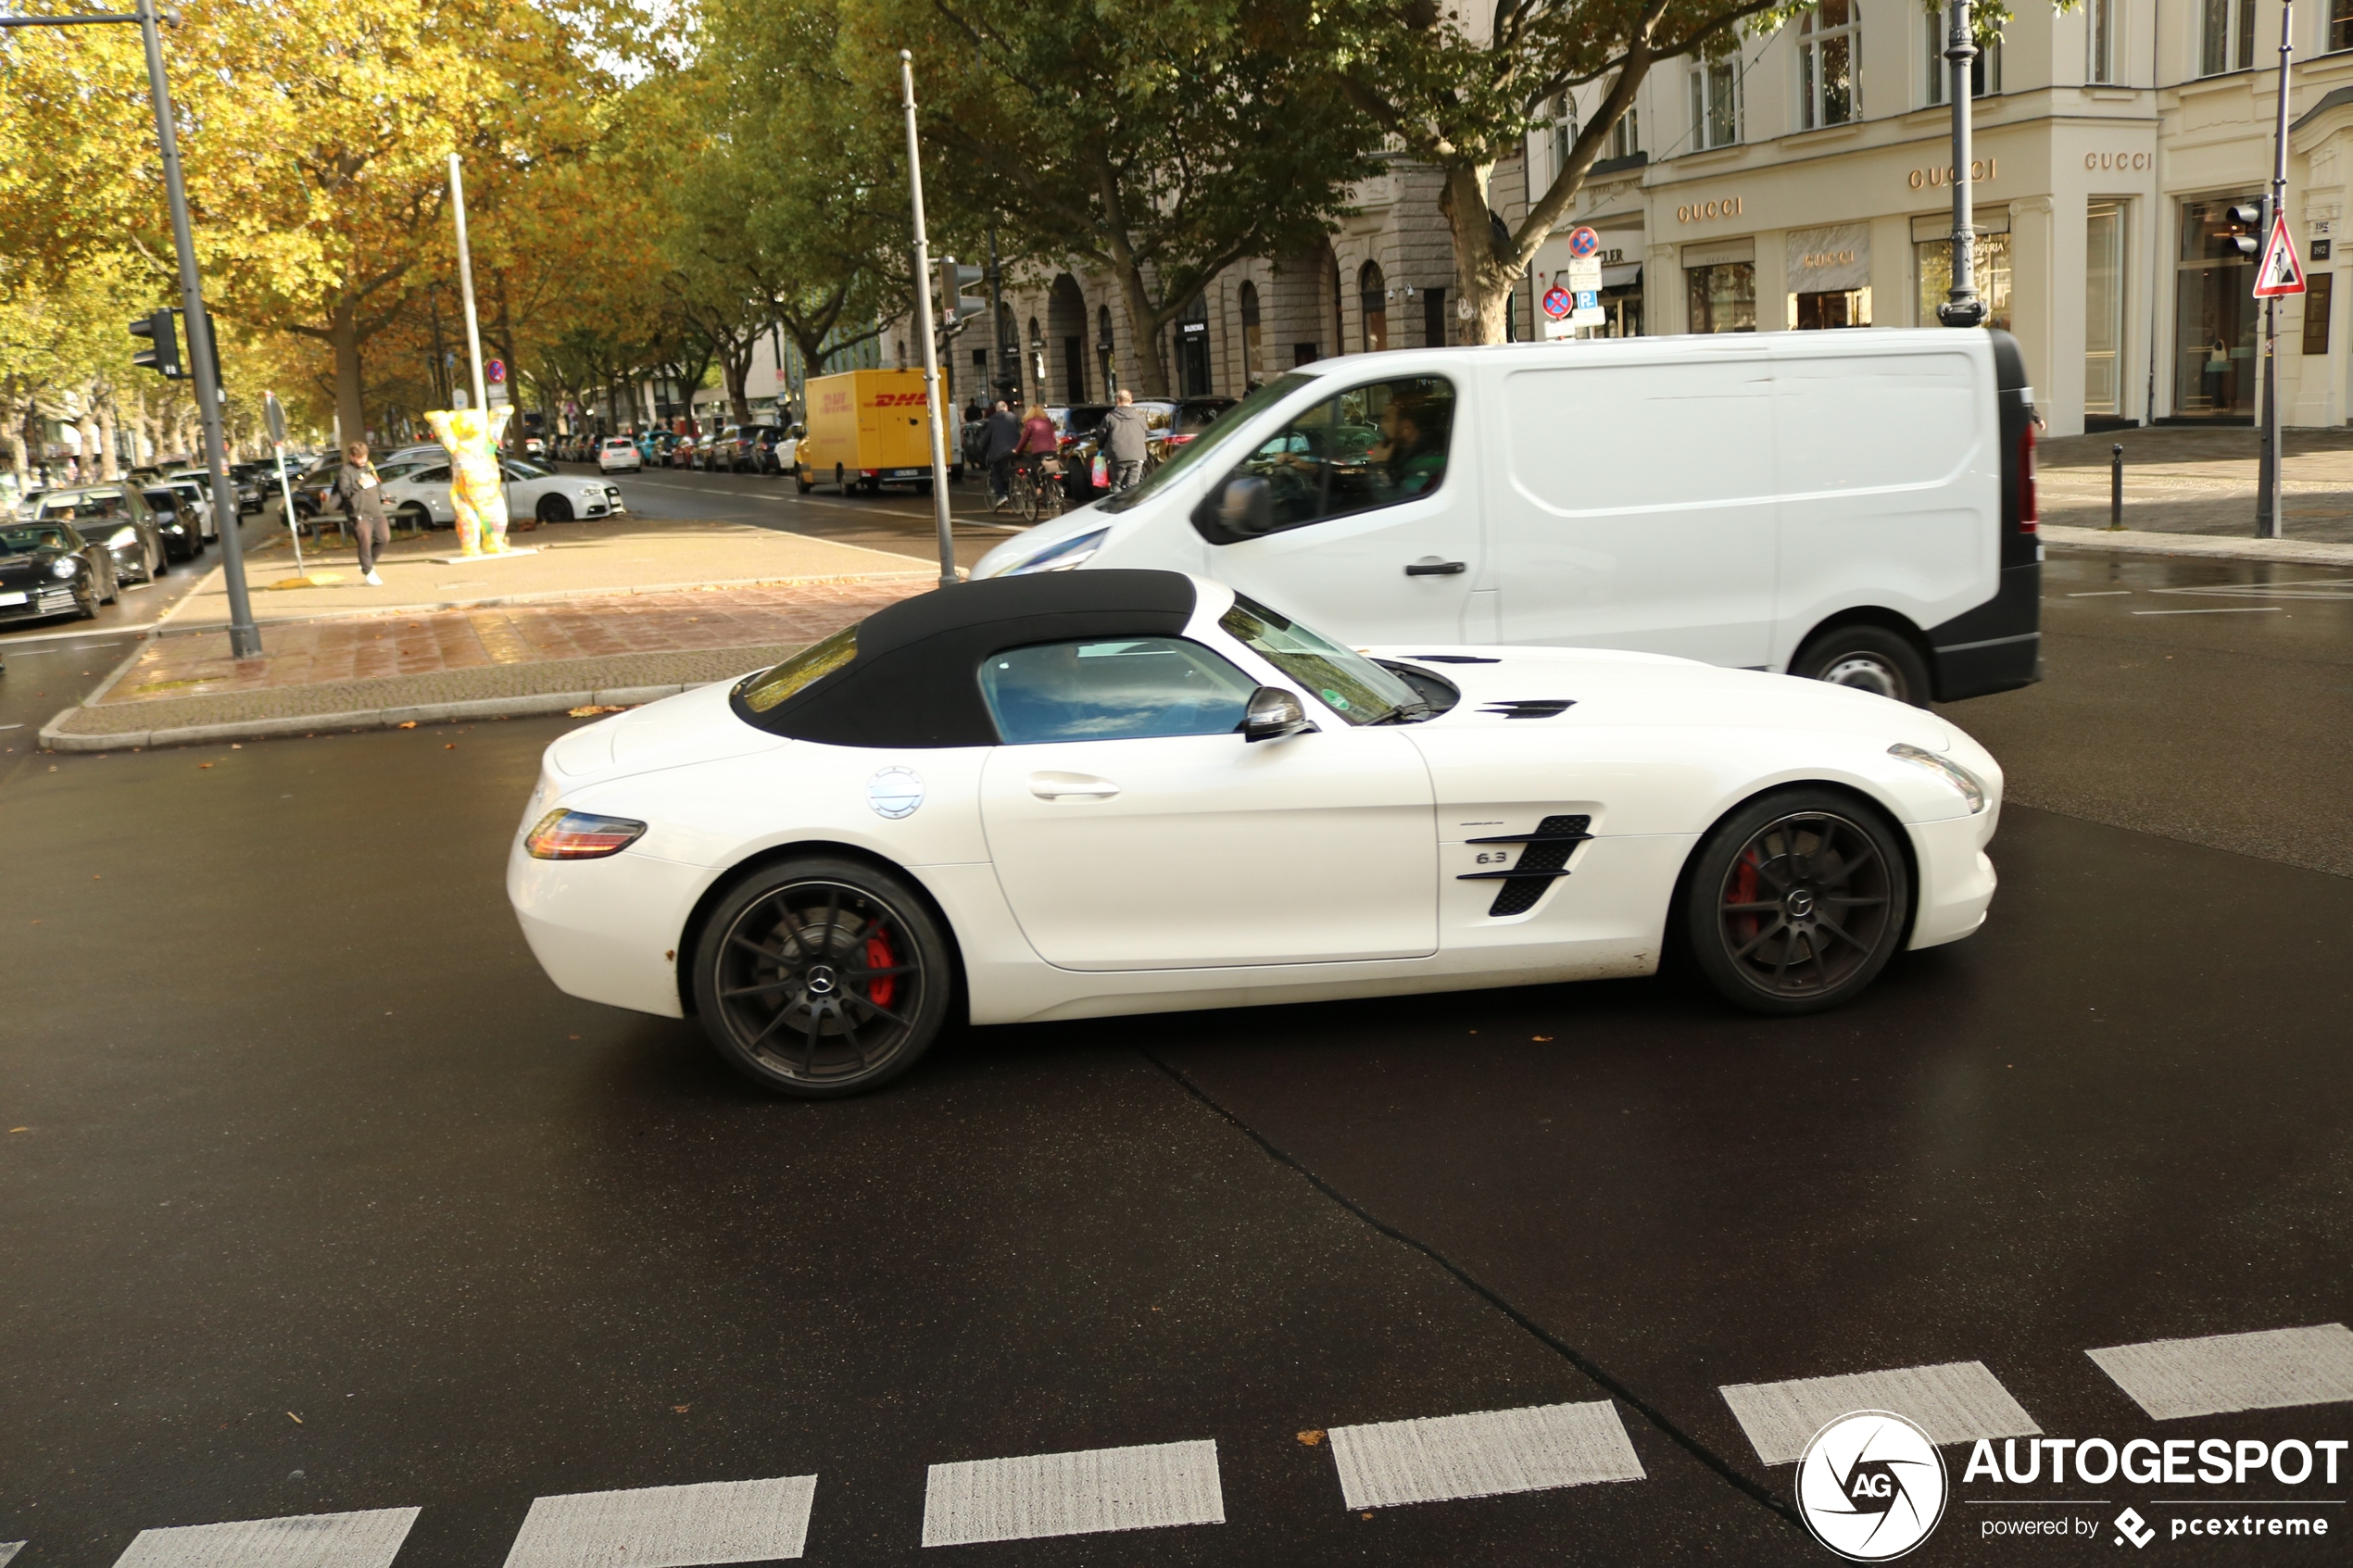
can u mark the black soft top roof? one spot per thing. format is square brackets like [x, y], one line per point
[915, 681]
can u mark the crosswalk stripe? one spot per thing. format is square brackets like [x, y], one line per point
[1486, 1453]
[1146, 1487]
[367, 1539]
[2269, 1370]
[8, 1551]
[669, 1527]
[1957, 1402]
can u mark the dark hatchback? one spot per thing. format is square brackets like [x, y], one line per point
[49, 568]
[175, 520]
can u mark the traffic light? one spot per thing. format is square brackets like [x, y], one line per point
[2246, 236]
[960, 292]
[161, 332]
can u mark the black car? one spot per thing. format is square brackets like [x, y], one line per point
[739, 450]
[117, 520]
[175, 523]
[49, 568]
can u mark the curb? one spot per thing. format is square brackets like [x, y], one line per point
[533, 705]
[2210, 546]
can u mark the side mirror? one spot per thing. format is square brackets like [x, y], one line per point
[1273, 713]
[1242, 507]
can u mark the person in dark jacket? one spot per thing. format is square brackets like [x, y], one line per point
[1004, 438]
[1124, 443]
[362, 498]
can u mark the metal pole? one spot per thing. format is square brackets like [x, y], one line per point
[1961, 308]
[2116, 485]
[2269, 494]
[934, 413]
[466, 283]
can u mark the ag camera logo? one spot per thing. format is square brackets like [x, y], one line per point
[1870, 1486]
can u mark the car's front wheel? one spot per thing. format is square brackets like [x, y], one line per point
[822, 977]
[554, 509]
[1796, 901]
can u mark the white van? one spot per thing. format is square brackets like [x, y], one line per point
[1853, 506]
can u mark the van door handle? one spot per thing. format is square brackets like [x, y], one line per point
[1071, 786]
[1436, 568]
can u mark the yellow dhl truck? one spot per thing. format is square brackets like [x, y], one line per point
[863, 429]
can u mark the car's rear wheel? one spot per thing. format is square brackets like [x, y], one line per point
[822, 977]
[554, 509]
[1796, 901]
[1871, 658]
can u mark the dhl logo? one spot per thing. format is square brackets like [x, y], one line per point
[835, 403]
[900, 400]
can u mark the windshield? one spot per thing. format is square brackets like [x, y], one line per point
[761, 691]
[35, 539]
[1195, 452]
[1351, 684]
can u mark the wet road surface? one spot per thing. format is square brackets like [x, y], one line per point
[326, 1201]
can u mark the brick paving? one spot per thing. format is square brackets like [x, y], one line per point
[435, 641]
[2187, 479]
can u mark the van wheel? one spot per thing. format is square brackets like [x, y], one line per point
[802, 482]
[1869, 659]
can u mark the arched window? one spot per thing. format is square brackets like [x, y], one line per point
[1251, 361]
[1374, 295]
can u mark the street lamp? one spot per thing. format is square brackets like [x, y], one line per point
[1962, 308]
[244, 637]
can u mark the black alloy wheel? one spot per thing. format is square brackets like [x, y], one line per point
[821, 978]
[85, 597]
[1796, 901]
[1871, 659]
[554, 509]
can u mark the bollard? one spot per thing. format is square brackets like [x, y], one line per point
[2116, 486]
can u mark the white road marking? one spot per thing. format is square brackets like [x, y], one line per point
[2103, 593]
[2271, 1370]
[2234, 609]
[1148, 1487]
[1956, 1402]
[668, 1526]
[9, 1550]
[307, 1540]
[1484, 1454]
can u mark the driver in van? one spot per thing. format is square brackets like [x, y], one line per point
[1411, 456]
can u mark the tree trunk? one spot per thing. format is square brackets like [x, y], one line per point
[343, 337]
[1485, 278]
[87, 424]
[735, 365]
[1143, 330]
[109, 465]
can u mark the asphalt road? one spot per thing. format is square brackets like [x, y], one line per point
[899, 520]
[324, 1200]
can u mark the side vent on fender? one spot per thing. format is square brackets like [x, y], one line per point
[1546, 857]
[1529, 708]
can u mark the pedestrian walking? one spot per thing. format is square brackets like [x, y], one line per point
[1123, 430]
[362, 498]
[1004, 438]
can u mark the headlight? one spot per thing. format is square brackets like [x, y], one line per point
[61, 570]
[1061, 556]
[578, 836]
[121, 537]
[1972, 788]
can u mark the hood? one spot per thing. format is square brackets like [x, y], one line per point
[695, 726]
[1505, 685]
[1089, 518]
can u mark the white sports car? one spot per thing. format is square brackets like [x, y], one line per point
[1080, 794]
[418, 494]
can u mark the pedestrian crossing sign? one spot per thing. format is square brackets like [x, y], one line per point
[2280, 273]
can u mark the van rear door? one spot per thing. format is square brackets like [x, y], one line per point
[1632, 504]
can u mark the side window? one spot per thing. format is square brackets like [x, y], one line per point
[1372, 446]
[1132, 688]
[434, 475]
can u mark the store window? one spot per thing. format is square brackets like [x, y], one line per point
[1828, 276]
[1626, 136]
[1827, 45]
[1933, 263]
[1372, 294]
[2226, 36]
[2340, 24]
[2214, 314]
[2104, 308]
[1561, 132]
[2318, 286]
[1433, 318]
[1716, 103]
[1984, 72]
[2099, 41]
[1193, 349]
[1722, 296]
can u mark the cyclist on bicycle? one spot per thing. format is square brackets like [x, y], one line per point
[1040, 442]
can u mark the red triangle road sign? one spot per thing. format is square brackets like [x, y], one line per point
[2281, 272]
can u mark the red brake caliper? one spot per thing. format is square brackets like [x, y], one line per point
[1743, 891]
[882, 987]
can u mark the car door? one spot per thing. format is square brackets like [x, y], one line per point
[1372, 538]
[1132, 828]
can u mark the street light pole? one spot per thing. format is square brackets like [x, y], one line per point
[466, 284]
[1962, 308]
[2268, 493]
[934, 408]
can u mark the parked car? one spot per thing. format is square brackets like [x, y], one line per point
[50, 569]
[1864, 512]
[535, 446]
[418, 496]
[115, 519]
[1035, 798]
[618, 454]
[200, 482]
[778, 451]
[175, 520]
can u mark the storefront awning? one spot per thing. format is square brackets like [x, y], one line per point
[1628, 276]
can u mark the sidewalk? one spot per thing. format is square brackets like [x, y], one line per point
[2185, 479]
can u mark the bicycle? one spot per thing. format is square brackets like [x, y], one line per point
[1037, 491]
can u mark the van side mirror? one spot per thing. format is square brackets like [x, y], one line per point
[1272, 714]
[1241, 508]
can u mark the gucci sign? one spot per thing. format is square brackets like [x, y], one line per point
[2117, 161]
[1978, 169]
[1700, 211]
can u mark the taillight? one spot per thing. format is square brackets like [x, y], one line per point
[578, 836]
[2029, 511]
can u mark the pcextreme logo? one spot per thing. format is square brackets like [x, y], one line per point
[1870, 1486]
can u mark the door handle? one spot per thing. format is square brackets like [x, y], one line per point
[1436, 568]
[1071, 786]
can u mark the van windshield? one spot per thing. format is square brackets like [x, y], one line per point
[1191, 454]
